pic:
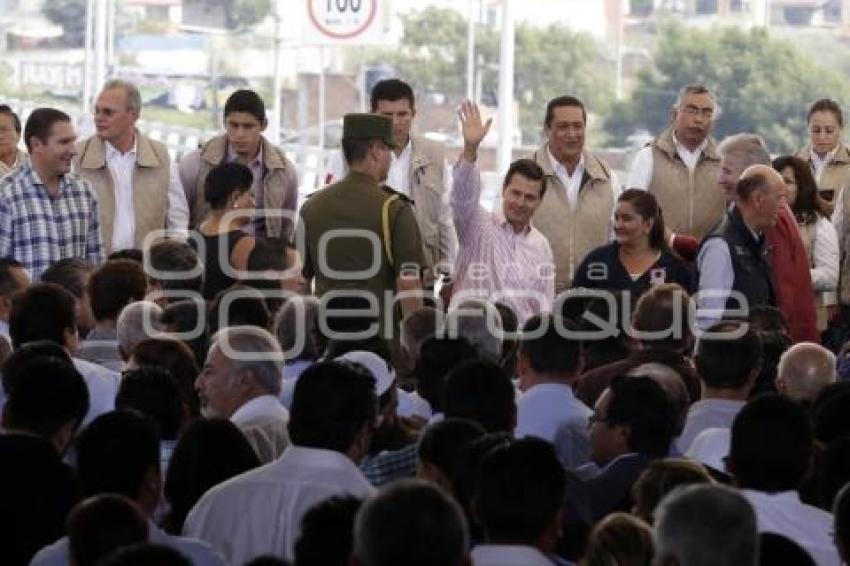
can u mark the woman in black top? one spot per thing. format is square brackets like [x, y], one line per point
[639, 257]
[227, 189]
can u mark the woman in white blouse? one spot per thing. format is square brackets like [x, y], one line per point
[817, 232]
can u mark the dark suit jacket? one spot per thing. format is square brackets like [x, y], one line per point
[36, 492]
[611, 489]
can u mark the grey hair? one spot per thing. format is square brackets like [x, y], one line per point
[298, 318]
[745, 149]
[706, 525]
[698, 89]
[253, 349]
[135, 322]
[806, 368]
[134, 97]
[480, 323]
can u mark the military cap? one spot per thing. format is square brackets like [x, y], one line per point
[368, 126]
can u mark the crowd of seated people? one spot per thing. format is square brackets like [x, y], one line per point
[191, 402]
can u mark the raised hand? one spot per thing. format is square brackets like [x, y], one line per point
[472, 127]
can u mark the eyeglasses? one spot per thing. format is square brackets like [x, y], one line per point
[693, 111]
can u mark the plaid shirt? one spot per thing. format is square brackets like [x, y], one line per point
[389, 466]
[37, 229]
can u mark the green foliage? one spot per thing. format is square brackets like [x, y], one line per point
[71, 15]
[238, 14]
[548, 62]
[764, 85]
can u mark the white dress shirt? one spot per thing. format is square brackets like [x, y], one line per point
[121, 167]
[263, 421]
[571, 182]
[101, 383]
[198, 552]
[640, 175]
[551, 411]
[260, 511]
[783, 513]
[291, 372]
[508, 555]
[711, 447]
[707, 413]
[825, 257]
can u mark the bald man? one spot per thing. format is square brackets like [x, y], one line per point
[786, 254]
[734, 273]
[804, 370]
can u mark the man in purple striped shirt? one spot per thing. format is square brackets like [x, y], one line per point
[501, 256]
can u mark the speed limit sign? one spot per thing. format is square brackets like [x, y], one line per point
[347, 22]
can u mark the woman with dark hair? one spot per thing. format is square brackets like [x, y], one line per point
[638, 258]
[209, 452]
[227, 190]
[816, 231]
[825, 154]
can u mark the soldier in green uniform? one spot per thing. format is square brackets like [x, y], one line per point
[361, 236]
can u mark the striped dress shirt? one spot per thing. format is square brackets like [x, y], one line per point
[493, 261]
[37, 229]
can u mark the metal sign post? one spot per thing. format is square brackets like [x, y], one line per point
[338, 22]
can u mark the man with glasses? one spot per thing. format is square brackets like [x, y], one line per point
[137, 183]
[680, 165]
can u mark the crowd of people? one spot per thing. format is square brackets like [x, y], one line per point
[197, 370]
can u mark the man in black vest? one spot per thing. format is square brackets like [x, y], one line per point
[734, 272]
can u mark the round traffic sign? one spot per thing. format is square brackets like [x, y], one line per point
[342, 19]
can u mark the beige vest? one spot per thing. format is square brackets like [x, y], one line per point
[691, 201]
[427, 166]
[836, 174]
[151, 177]
[574, 233]
[280, 185]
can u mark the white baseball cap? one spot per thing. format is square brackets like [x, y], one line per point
[381, 371]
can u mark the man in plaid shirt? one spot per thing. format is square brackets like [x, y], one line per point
[47, 213]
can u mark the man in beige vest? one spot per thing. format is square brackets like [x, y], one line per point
[275, 186]
[137, 184]
[680, 166]
[418, 170]
[581, 190]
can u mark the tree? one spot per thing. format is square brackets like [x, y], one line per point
[71, 15]
[764, 86]
[237, 15]
[549, 62]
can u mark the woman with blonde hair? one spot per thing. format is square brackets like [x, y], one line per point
[619, 539]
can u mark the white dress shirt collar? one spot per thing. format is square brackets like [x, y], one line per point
[398, 177]
[690, 158]
[262, 406]
[113, 152]
[571, 182]
[255, 162]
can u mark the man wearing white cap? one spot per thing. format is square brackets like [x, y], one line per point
[386, 460]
